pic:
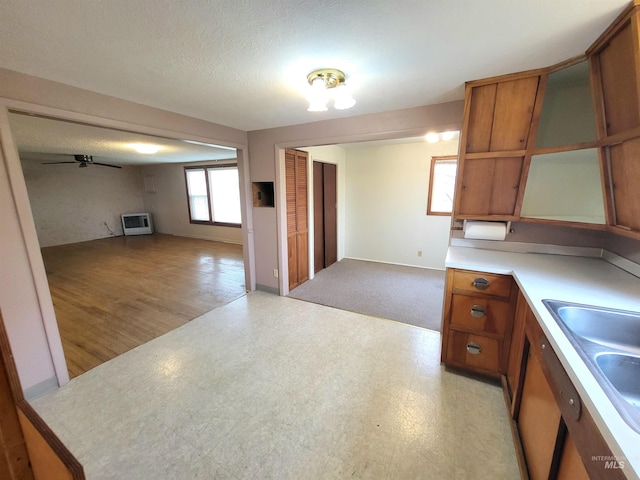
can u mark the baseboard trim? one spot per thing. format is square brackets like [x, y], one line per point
[41, 388]
[267, 289]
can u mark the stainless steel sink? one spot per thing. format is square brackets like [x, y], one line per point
[623, 371]
[612, 328]
[609, 342]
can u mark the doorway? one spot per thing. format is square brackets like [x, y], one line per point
[76, 208]
[325, 215]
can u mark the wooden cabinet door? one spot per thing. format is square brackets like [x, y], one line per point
[619, 82]
[512, 115]
[482, 102]
[500, 115]
[489, 186]
[571, 466]
[538, 421]
[624, 161]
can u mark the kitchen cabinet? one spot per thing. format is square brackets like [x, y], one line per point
[558, 435]
[538, 420]
[496, 132]
[560, 144]
[615, 66]
[477, 321]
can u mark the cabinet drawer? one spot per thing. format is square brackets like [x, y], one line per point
[480, 282]
[474, 351]
[480, 314]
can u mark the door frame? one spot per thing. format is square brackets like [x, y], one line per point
[27, 224]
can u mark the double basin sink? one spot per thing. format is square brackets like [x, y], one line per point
[609, 342]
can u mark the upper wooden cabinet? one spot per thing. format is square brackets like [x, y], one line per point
[500, 115]
[614, 61]
[558, 144]
[496, 132]
[615, 67]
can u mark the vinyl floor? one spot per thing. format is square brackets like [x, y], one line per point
[269, 387]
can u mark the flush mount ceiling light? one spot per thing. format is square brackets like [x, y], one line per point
[145, 148]
[444, 136]
[325, 83]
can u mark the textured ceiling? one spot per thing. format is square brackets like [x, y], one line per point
[243, 63]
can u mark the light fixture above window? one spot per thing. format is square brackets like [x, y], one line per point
[326, 83]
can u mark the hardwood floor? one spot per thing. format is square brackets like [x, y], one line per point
[113, 294]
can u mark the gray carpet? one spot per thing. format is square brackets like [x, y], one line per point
[405, 294]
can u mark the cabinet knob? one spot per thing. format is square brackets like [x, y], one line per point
[473, 348]
[478, 311]
[481, 283]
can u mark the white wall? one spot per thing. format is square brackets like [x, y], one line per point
[170, 210]
[72, 204]
[335, 155]
[386, 205]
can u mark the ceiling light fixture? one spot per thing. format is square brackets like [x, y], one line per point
[145, 148]
[433, 137]
[325, 82]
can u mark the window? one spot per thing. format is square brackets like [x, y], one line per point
[442, 183]
[214, 195]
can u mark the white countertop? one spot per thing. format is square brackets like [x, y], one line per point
[589, 281]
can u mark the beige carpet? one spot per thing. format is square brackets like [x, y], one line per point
[406, 294]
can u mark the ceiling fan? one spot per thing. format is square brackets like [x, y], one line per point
[84, 161]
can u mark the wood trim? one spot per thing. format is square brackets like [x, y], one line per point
[34, 450]
[50, 459]
[515, 432]
[619, 23]
[618, 230]
[619, 137]
[503, 154]
[565, 148]
[511, 76]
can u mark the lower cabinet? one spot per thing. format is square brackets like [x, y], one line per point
[558, 435]
[489, 329]
[538, 421]
[477, 321]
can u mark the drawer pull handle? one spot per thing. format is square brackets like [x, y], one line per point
[473, 348]
[481, 283]
[478, 311]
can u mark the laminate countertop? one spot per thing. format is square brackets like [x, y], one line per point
[585, 280]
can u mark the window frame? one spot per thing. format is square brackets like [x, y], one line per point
[211, 220]
[434, 160]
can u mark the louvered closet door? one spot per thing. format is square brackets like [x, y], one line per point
[297, 221]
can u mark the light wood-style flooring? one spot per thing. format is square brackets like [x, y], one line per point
[114, 294]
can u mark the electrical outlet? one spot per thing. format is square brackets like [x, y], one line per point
[275, 273]
[419, 253]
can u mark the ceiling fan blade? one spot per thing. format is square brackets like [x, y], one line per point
[54, 163]
[106, 165]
